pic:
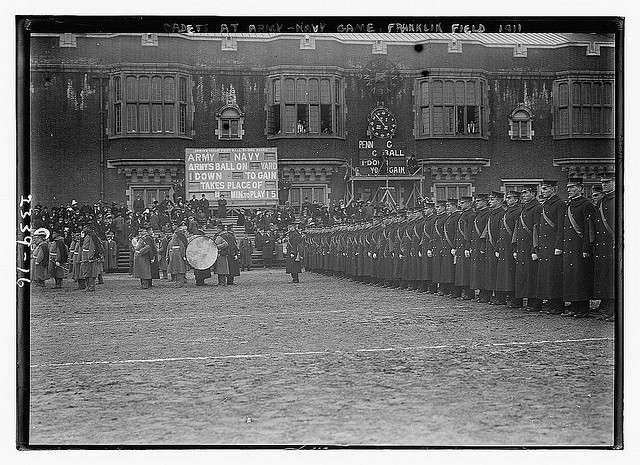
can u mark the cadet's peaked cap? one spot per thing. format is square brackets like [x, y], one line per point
[530, 188]
[441, 202]
[574, 182]
[497, 194]
[513, 194]
[452, 201]
[429, 204]
[550, 182]
[466, 198]
[606, 179]
[482, 196]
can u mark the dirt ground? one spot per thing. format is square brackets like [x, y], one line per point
[325, 362]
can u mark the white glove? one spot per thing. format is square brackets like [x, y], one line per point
[400, 256]
[467, 254]
[419, 253]
[497, 254]
[429, 253]
[375, 255]
[534, 256]
[515, 255]
[557, 252]
[369, 254]
[453, 252]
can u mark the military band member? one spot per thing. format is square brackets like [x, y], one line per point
[526, 266]
[142, 259]
[221, 266]
[111, 253]
[89, 256]
[176, 257]
[246, 249]
[463, 249]
[479, 264]
[579, 237]
[233, 254]
[57, 259]
[506, 270]
[40, 257]
[604, 249]
[548, 243]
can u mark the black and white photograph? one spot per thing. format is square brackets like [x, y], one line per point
[317, 232]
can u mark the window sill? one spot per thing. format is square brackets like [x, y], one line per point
[150, 136]
[585, 136]
[453, 136]
[305, 136]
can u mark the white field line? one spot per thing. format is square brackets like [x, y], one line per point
[326, 352]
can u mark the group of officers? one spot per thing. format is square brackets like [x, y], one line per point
[531, 249]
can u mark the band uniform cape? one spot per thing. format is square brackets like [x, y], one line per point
[526, 267]
[294, 252]
[90, 252]
[57, 253]
[232, 253]
[153, 255]
[579, 236]
[176, 254]
[40, 262]
[142, 260]
[506, 268]
[549, 235]
[604, 248]
[221, 266]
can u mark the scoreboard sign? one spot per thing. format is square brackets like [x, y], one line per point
[245, 176]
[380, 157]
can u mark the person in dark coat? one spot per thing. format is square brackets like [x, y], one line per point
[40, 257]
[464, 227]
[506, 270]
[142, 259]
[577, 250]
[153, 254]
[548, 240]
[426, 259]
[177, 257]
[222, 207]
[448, 264]
[437, 246]
[294, 253]
[526, 266]
[496, 213]
[479, 268]
[268, 241]
[604, 250]
[90, 255]
[246, 249]
[233, 254]
[138, 204]
[58, 257]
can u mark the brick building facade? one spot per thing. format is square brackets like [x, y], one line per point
[112, 114]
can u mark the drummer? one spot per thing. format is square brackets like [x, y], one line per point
[201, 275]
[176, 257]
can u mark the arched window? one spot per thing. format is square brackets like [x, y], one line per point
[520, 124]
[230, 122]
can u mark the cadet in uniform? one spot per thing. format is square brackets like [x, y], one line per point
[526, 266]
[579, 237]
[447, 267]
[463, 249]
[494, 221]
[506, 271]
[604, 249]
[548, 242]
[479, 264]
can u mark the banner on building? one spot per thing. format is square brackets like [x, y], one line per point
[245, 176]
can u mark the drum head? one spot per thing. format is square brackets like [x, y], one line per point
[202, 252]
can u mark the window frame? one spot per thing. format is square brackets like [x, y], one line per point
[221, 118]
[141, 104]
[575, 103]
[446, 104]
[516, 119]
[300, 187]
[451, 185]
[305, 105]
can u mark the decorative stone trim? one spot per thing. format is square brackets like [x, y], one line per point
[379, 47]
[593, 49]
[307, 42]
[520, 51]
[454, 169]
[229, 44]
[67, 40]
[454, 46]
[586, 168]
[149, 40]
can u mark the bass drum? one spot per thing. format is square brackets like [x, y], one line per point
[202, 252]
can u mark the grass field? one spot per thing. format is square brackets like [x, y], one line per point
[325, 362]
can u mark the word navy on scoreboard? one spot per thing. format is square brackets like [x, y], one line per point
[245, 176]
